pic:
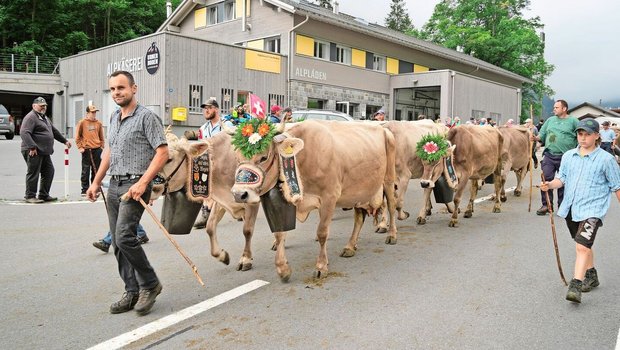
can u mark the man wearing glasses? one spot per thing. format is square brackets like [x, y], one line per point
[211, 112]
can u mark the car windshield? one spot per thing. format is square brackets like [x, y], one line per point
[3, 110]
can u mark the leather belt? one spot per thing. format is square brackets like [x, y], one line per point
[125, 177]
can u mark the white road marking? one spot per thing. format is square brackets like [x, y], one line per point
[482, 199]
[170, 320]
[59, 202]
[618, 341]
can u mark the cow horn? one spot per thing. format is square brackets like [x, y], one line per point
[281, 126]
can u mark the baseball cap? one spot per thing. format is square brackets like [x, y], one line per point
[380, 112]
[589, 125]
[92, 108]
[606, 123]
[275, 109]
[212, 101]
[39, 101]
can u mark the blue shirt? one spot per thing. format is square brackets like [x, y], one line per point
[588, 183]
[207, 130]
[607, 135]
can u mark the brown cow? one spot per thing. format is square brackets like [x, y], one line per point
[476, 153]
[223, 163]
[337, 164]
[516, 156]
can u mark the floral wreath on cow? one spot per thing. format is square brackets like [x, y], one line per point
[253, 137]
[432, 147]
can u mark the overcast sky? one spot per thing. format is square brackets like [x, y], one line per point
[582, 41]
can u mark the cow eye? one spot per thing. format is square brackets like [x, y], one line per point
[263, 159]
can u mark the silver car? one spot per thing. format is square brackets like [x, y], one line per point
[319, 114]
[7, 124]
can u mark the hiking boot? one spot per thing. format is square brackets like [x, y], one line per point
[542, 210]
[102, 245]
[33, 200]
[147, 299]
[590, 281]
[48, 199]
[127, 302]
[143, 239]
[574, 291]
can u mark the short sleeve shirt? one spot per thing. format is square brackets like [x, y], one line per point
[133, 141]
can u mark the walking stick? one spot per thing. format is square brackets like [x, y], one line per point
[167, 234]
[555, 239]
[529, 207]
[92, 163]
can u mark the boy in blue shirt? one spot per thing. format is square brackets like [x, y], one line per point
[589, 175]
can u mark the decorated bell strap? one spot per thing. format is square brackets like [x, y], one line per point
[449, 172]
[291, 186]
[199, 182]
[249, 175]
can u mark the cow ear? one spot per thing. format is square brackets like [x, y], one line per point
[290, 147]
[198, 148]
[451, 150]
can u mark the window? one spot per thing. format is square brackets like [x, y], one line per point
[378, 63]
[212, 15]
[314, 103]
[477, 114]
[272, 44]
[343, 54]
[229, 11]
[321, 49]
[195, 98]
[227, 95]
[275, 99]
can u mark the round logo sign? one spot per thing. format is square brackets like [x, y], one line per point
[152, 59]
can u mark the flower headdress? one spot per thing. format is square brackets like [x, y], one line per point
[432, 147]
[253, 137]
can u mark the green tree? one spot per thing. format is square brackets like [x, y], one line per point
[398, 18]
[495, 31]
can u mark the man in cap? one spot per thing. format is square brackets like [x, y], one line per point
[590, 177]
[89, 141]
[607, 137]
[276, 111]
[38, 135]
[379, 116]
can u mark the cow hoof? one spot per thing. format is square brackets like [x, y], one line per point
[224, 257]
[347, 253]
[390, 240]
[319, 274]
[274, 246]
[421, 220]
[497, 210]
[453, 223]
[244, 266]
[285, 275]
[429, 212]
[405, 216]
[503, 198]
[468, 214]
[517, 193]
[381, 230]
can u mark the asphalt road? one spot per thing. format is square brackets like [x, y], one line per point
[491, 283]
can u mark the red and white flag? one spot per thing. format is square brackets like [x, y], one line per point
[258, 107]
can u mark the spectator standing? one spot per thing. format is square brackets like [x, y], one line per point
[136, 153]
[607, 137]
[287, 114]
[590, 176]
[213, 126]
[276, 114]
[558, 136]
[534, 130]
[38, 135]
[379, 115]
[90, 142]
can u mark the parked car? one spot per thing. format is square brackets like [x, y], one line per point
[319, 114]
[7, 124]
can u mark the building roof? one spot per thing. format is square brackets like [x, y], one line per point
[318, 13]
[604, 112]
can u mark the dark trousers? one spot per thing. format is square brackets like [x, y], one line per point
[550, 165]
[88, 172]
[534, 158]
[607, 147]
[133, 265]
[42, 166]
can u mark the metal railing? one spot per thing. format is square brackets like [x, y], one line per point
[29, 64]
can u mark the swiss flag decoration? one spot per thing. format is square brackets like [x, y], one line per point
[258, 107]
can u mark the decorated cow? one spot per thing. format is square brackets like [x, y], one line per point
[207, 169]
[318, 165]
[470, 152]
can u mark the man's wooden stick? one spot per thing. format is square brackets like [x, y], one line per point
[529, 207]
[189, 261]
[555, 239]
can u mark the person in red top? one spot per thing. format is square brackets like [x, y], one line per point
[90, 142]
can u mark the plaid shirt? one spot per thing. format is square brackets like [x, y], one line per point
[133, 141]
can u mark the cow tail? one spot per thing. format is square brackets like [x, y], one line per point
[500, 148]
[390, 152]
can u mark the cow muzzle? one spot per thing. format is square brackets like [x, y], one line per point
[427, 183]
[244, 195]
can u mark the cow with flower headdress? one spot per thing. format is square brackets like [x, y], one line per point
[318, 165]
[468, 152]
